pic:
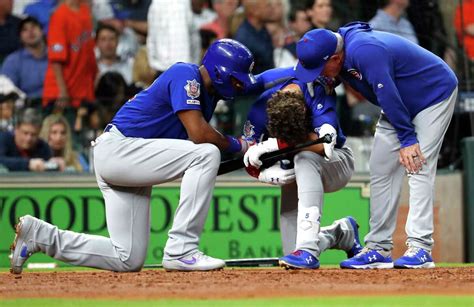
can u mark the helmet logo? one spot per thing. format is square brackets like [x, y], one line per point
[192, 88]
[248, 130]
[218, 74]
[251, 66]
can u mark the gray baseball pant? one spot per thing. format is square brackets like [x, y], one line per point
[315, 176]
[126, 169]
[386, 178]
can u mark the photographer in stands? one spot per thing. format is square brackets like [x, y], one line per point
[23, 150]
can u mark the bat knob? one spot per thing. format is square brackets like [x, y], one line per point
[327, 138]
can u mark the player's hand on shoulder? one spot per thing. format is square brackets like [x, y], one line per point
[276, 175]
[252, 156]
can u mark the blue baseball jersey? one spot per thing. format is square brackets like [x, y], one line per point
[395, 74]
[273, 77]
[322, 106]
[152, 113]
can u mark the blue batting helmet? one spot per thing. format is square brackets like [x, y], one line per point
[226, 59]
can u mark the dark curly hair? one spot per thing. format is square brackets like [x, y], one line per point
[288, 118]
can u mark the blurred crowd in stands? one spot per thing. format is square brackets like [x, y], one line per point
[66, 66]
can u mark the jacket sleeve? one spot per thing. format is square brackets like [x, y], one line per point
[375, 64]
[11, 163]
[44, 151]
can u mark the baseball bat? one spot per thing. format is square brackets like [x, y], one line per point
[270, 158]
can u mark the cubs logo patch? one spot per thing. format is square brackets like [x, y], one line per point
[355, 73]
[193, 88]
[248, 130]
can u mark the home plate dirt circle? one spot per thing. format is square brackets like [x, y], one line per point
[237, 283]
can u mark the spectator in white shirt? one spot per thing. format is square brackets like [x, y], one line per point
[107, 38]
[201, 16]
[128, 43]
[169, 33]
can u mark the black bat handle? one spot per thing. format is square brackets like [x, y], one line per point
[327, 138]
[270, 158]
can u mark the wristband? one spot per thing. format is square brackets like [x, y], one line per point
[282, 144]
[234, 144]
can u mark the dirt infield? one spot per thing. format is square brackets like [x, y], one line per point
[237, 283]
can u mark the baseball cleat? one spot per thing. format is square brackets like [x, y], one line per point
[194, 262]
[23, 246]
[415, 258]
[299, 259]
[356, 247]
[368, 259]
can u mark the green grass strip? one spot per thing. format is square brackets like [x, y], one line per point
[417, 301]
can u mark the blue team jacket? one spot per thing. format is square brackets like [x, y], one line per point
[395, 74]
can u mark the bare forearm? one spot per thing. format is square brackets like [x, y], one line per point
[58, 73]
[469, 29]
[212, 136]
[318, 148]
[138, 26]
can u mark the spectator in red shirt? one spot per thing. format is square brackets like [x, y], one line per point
[465, 27]
[71, 62]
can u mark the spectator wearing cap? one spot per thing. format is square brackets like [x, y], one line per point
[23, 150]
[107, 38]
[7, 107]
[10, 96]
[9, 38]
[26, 67]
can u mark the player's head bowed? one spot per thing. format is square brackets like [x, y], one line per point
[320, 52]
[288, 117]
[229, 65]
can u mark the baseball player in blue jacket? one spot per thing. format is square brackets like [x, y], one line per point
[158, 136]
[293, 112]
[417, 92]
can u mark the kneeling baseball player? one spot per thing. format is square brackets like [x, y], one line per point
[293, 113]
[158, 136]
